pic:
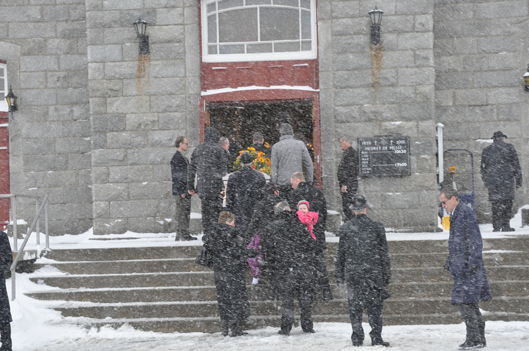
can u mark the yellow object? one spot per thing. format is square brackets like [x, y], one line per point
[445, 222]
[452, 169]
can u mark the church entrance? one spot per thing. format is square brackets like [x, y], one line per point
[243, 119]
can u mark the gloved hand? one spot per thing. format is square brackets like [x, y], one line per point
[473, 268]
[447, 266]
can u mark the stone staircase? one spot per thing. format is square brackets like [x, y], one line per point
[162, 289]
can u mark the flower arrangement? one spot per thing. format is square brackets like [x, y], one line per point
[260, 162]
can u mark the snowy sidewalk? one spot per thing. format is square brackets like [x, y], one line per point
[501, 336]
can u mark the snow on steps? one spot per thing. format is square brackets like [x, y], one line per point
[161, 289]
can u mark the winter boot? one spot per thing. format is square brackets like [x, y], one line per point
[471, 345]
[236, 330]
[482, 333]
[379, 342]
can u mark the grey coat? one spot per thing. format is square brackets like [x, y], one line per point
[288, 157]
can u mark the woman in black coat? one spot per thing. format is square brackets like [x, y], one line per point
[229, 255]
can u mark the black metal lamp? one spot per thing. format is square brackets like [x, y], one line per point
[141, 31]
[376, 19]
[526, 79]
[12, 101]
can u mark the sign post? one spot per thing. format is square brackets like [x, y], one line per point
[384, 156]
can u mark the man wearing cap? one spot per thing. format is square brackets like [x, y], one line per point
[244, 190]
[465, 264]
[501, 173]
[362, 263]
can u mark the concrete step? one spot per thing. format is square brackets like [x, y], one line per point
[212, 324]
[198, 279]
[394, 247]
[337, 307]
[197, 294]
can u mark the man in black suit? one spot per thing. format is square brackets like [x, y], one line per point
[348, 175]
[179, 164]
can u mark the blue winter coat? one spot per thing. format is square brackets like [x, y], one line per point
[465, 258]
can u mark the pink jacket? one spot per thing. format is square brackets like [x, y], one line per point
[309, 219]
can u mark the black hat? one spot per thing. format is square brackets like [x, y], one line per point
[498, 134]
[246, 158]
[359, 203]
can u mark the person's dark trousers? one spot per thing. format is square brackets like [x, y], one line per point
[296, 284]
[473, 321]
[183, 212]
[322, 276]
[374, 315]
[5, 337]
[501, 214]
[347, 199]
[211, 207]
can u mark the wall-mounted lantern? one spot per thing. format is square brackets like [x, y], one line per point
[12, 102]
[141, 31]
[526, 79]
[376, 19]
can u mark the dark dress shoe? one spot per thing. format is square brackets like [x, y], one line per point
[309, 331]
[283, 332]
[507, 229]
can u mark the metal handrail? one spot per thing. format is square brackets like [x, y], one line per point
[35, 223]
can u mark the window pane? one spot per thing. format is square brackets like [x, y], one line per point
[2, 83]
[258, 2]
[212, 29]
[286, 47]
[212, 7]
[279, 24]
[1, 72]
[305, 25]
[258, 48]
[306, 46]
[238, 25]
[305, 4]
[231, 49]
[293, 3]
[226, 4]
[212, 49]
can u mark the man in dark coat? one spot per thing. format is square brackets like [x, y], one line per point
[289, 251]
[6, 260]
[209, 166]
[362, 262]
[303, 191]
[258, 144]
[244, 191]
[228, 255]
[348, 175]
[465, 263]
[179, 164]
[501, 173]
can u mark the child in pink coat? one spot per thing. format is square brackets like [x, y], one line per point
[306, 217]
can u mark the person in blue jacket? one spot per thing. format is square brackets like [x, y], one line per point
[465, 264]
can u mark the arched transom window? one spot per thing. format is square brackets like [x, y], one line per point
[258, 30]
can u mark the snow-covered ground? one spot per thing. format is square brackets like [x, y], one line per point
[36, 328]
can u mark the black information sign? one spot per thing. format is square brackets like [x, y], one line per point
[384, 156]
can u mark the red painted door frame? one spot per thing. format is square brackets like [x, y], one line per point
[275, 95]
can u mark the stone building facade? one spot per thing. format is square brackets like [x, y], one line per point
[97, 121]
